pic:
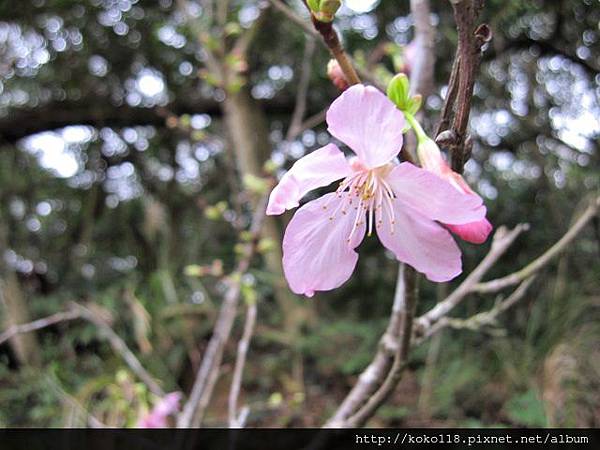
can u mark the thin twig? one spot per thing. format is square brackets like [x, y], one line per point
[331, 39]
[38, 324]
[302, 93]
[482, 319]
[236, 420]
[502, 240]
[78, 311]
[427, 324]
[206, 377]
[310, 30]
[537, 264]
[120, 347]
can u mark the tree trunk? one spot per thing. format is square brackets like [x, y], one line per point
[25, 346]
[249, 132]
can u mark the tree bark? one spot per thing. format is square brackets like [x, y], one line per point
[25, 346]
[247, 125]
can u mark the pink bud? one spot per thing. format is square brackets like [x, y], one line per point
[431, 159]
[336, 75]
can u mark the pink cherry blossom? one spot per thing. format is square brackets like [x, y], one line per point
[401, 202]
[431, 159]
[157, 418]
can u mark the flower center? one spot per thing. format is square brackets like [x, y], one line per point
[368, 196]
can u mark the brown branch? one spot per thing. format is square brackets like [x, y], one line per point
[462, 80]
[376, 372]
[237, 420]
[331, 39]
[408, 305]
[445, 116]
[206, 377]
[293, 17]
[99, 112]
[540, 262]
[382, 375]
[38, 324]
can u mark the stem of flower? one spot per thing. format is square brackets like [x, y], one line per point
[416, 126]
[332, 40]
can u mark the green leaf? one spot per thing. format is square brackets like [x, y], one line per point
[397, 91]
[414, 104]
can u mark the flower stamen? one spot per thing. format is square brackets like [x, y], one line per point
[374, 195]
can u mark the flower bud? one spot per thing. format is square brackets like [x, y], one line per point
[328, 9]
[431, 159]
[324, 10]
[430, 156]
[336, 75]
[397, 91]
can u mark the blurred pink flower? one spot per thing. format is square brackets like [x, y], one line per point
[157, 418]
[401, 201]
[431, 159]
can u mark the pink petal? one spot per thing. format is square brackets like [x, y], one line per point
[157, 418]
[474, 232]
[316, 253]
[317, 169]
[169, 404]
[152, 422]
[433, 197]
[367, 122]
[421, 243]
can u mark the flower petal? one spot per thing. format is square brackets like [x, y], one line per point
[367, 122]
[157, 418]
[421, 243]
[317, 169]
[433, 197]
[474, 232]
[317, 255]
